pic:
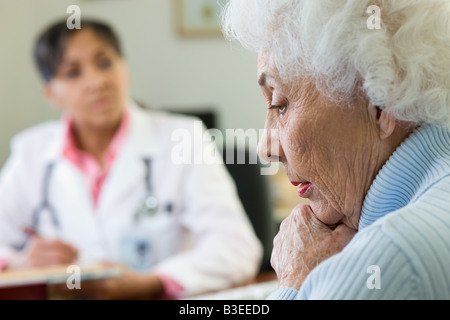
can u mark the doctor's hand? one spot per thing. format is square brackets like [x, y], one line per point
[302, 243]
[129, 285]
[41, 252]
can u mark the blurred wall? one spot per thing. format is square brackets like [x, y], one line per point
[166, 70]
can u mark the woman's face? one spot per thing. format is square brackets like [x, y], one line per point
[91, 83]
[332, 150]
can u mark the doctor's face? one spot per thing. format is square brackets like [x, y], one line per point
[91, 83]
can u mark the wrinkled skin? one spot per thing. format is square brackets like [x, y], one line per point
[302, 243]
[338, 148]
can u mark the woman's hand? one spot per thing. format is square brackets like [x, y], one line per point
[41, 252]
[302, 243]
[129, 285]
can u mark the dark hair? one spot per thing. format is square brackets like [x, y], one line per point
[51, 44]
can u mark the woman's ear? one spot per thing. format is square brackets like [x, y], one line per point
[51, 96]
[384, 121]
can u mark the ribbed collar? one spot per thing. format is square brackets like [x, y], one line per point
[419, 162]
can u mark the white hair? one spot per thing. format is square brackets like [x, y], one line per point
[404, 66]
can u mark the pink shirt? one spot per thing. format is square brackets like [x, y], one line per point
[3, 263]
[91, 168]
[96, 176]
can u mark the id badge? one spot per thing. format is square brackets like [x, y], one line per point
[136, 251]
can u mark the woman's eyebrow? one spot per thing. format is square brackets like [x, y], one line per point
[100, 52]
[68, 63]
[262, 80]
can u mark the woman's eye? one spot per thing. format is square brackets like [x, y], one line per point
[104, 64]
[72, 74]
[281, 109]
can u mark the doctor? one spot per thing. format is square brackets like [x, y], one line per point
[100, 186]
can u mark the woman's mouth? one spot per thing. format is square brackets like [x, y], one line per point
[303, 187]
[101, 104]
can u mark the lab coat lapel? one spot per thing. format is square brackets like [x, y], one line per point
[53, 152]
[72, 202]
[124, 187]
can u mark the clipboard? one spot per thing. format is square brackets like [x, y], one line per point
[32, 283]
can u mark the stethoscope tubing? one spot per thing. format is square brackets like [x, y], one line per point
[46, 205]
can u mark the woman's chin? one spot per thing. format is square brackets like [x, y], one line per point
[325, 212]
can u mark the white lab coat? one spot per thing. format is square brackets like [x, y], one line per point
[205, 243]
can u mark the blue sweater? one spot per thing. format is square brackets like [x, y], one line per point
[402, 248]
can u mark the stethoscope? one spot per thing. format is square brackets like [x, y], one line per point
[45, 204]
[149, 206]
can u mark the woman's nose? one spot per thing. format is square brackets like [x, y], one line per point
[95, 80]
[269, 148]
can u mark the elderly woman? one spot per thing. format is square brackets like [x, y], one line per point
[359, 115]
